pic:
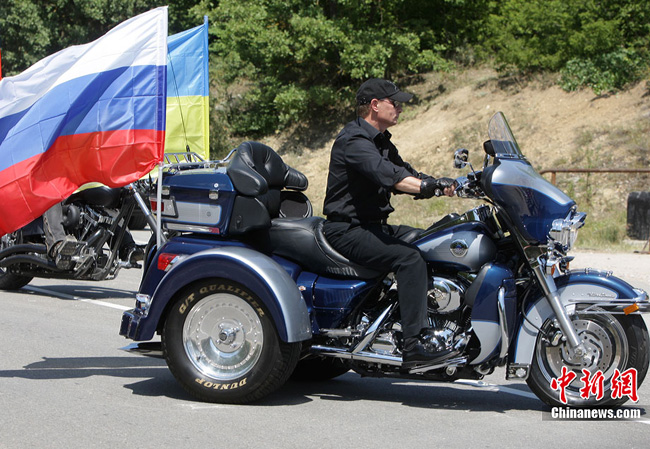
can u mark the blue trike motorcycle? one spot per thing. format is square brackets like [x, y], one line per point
[245, 291]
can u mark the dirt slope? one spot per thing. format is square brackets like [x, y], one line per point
[554, 128]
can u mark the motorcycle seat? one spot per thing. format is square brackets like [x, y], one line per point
[256, 168]
[303, 242]
[97, 196]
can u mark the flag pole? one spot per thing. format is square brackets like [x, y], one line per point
[158, 230]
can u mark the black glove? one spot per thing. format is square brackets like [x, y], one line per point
[431, 186]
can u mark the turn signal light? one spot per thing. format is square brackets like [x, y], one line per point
[631, 309]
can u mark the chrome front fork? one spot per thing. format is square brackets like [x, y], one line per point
[576, 347]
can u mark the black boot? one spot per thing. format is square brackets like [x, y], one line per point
[136, 254]
[132, 254]
[425, 349]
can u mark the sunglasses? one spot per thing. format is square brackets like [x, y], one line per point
[396, 104]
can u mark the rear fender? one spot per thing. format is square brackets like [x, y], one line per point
[585, 288]
[257, 272]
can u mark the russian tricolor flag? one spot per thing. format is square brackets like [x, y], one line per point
[89, 113]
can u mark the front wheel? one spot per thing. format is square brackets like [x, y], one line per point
[8, 280]
[11, 281]
[613, 342]
[221, 345]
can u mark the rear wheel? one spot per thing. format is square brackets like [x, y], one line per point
[221, 345]
[613, 342]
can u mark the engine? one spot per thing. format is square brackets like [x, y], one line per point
[444, 296]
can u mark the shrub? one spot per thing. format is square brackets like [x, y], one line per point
[603, 73]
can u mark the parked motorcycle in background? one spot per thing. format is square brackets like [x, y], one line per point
[98, 217]
[245, 293]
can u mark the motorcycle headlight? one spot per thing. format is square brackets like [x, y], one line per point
[565, 231]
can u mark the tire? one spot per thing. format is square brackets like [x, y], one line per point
[138, 221]
[221, 345]
[612, 342]
[11, 281]
[319, 369]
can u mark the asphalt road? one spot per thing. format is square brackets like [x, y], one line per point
[67, 382]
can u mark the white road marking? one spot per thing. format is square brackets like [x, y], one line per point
[75, 298]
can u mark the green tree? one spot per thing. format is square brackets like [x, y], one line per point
[24, 35]
[283, 61]
[33, 29]
[278, 63]
[596, 43]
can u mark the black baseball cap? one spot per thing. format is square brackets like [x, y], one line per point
[380, 89]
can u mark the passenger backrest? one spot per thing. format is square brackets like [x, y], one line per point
[259, 175]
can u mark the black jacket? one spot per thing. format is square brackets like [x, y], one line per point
[364, 167]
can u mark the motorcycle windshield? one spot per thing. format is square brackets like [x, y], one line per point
[531, 202]
[502, 139]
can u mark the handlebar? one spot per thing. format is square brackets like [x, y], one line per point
[468, 188]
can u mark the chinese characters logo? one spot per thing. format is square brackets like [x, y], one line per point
[623, 384]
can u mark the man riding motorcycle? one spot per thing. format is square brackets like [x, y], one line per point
[364, 169]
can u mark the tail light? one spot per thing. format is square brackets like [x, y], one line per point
[166, 261]
[167, 207]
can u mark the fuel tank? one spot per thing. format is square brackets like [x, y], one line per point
[97, 196]
[461, 246]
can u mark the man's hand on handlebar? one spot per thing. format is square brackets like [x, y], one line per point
[430, 186]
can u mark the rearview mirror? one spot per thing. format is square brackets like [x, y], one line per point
[460, 158]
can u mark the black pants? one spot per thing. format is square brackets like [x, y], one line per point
[53, 226]
[379, 246]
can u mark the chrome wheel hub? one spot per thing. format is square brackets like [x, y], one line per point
[598, 349]
[222, 336]
[605, 345]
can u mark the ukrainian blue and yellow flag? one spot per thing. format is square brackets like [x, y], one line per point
[188, 92]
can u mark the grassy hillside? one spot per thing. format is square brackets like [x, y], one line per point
[554, 129]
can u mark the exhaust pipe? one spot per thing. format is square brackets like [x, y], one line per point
[37, 248]
[363, 356]
[28, 259]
